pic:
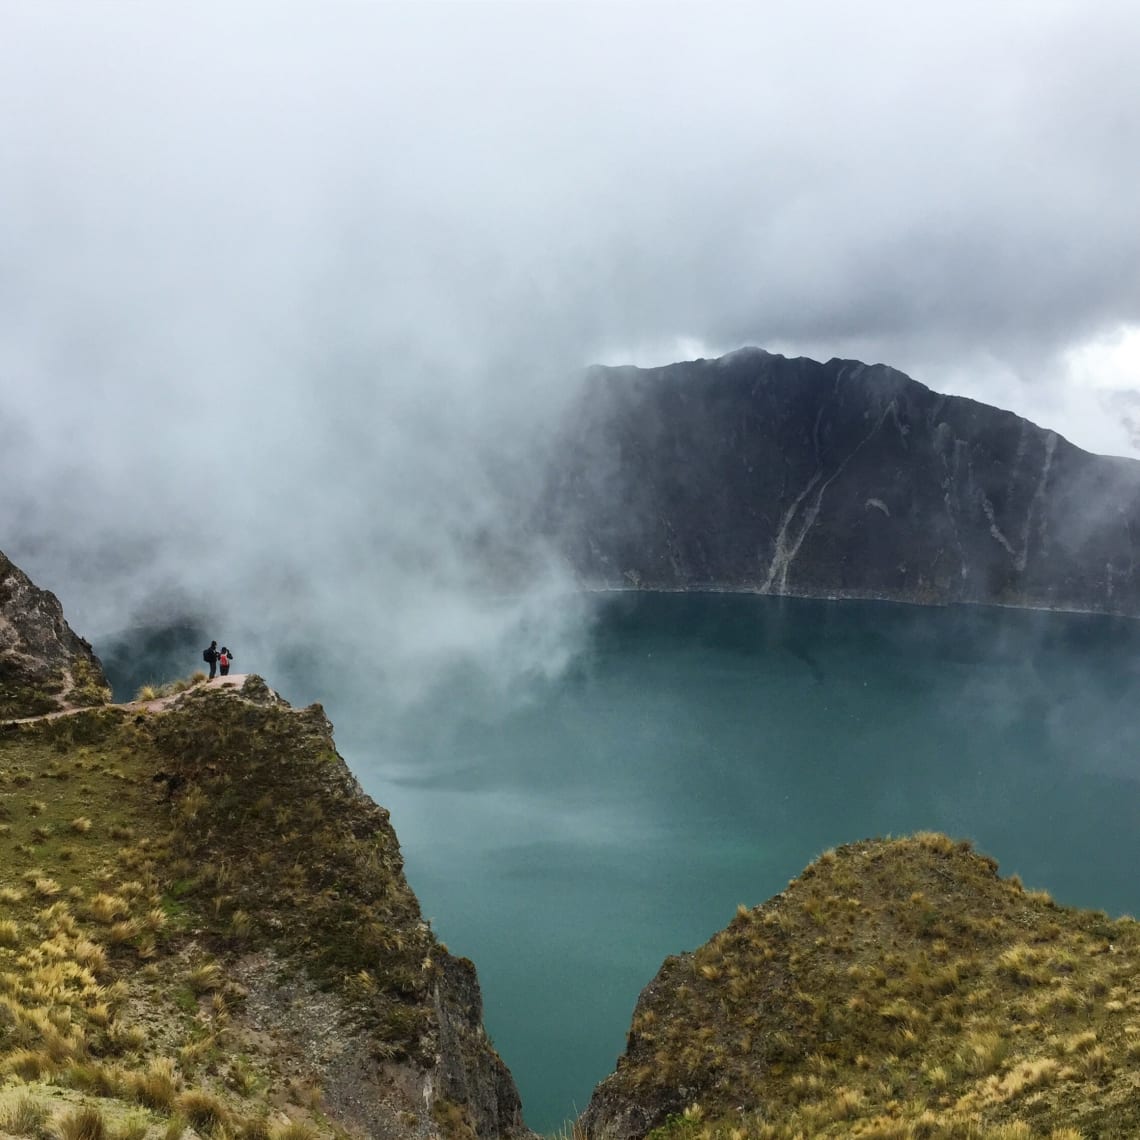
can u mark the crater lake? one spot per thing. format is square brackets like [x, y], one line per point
[697, 754]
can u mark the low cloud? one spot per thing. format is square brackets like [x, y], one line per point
[292, 295]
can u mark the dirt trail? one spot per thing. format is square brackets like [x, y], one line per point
[159, 704]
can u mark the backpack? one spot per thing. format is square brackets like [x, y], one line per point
[206, 656]
[223, 660]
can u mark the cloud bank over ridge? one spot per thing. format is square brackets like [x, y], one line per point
[290, 293]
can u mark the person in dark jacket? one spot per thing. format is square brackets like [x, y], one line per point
[210, 656]
[224, 659]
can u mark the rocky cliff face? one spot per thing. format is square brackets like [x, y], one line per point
[375, 1009]
[203, 916]
[755, 472]
[44, 665]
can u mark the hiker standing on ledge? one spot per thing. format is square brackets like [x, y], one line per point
[224, 659]
[210, 656]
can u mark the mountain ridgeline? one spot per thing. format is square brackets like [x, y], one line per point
[759, 473]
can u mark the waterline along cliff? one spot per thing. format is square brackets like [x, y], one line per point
[839, 479]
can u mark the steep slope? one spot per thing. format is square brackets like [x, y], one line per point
[897, 989]
[44, 665]
[203, 919]
[755, 472]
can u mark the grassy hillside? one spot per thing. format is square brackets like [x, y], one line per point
[897, 989]
[205, 924]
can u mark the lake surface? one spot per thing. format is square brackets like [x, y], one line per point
[700, 752]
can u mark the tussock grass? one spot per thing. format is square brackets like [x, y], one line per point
[120, 933]
[93, 1077]
[896, 989]
[205, 977]
[255, 1127]
[205, 1111]
[175, 1128]
[154, 692]
[147, 853]
[24, 1116]
[306, 1094]
[29, 1064]
[107, 908]
[154, 920]
[157, 1086]
[293, 1130]
[80, 1124]
[241, 1076]
[133, 1126]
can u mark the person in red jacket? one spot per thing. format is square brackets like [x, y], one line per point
[224, 659]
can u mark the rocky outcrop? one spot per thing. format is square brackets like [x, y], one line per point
[238, 944]
[244, 902]
[347, 976]
[470, 1071]
[756, 472]
[44, 664]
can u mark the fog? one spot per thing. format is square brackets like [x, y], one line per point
[292, 295]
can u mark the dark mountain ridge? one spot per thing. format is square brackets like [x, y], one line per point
[788, 476]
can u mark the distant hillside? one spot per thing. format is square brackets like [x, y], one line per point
[756, 472]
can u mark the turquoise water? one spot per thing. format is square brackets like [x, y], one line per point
[706, 748]
[702, 750]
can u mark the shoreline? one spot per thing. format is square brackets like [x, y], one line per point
[855, 596]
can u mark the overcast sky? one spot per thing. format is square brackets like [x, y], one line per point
[279, 280]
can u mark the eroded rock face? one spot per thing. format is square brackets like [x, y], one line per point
[44, 664]
[755, 472]
[464, 1090]
[471, 1072]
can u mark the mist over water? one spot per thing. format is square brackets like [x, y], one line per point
[569, 831]
[297, 301]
